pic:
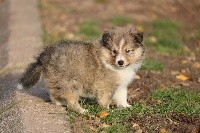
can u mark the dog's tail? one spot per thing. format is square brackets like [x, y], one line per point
[31, 75]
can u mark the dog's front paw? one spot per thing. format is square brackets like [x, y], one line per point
[126, 105]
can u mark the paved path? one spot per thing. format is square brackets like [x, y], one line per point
[26, 111]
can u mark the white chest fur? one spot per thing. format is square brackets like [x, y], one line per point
[126, 75]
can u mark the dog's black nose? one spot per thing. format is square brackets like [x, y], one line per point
[121, 62]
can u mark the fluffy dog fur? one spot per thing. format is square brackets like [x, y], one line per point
[102, 69]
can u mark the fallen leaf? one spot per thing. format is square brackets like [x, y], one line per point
[138, 131]
[62, 16]
[175, 72]
[182, 77]
[153, 39]
[137, 77]
[140, 28]
[163, 130]
[185, 84]
[155, 72]
[173, 9]
[70, 35]
[185, 70]
[185, 62]
[196, 65]
[195, 130]
[104, 125]
[187, 49]
[137, 128]
[192, 57]
[93, 128]
[170, 120]
[102, 114]
[199, 80]
[137, 93]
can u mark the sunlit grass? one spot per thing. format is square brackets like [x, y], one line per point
[155, 65]
[100, 1]
[167, 38]
[166, 100]
[90, 29]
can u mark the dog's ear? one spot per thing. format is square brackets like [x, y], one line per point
[107, 37]
[137, 36]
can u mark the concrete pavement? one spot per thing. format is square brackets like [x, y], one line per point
[24, 111]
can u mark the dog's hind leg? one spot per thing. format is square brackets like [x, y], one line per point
[68, 95]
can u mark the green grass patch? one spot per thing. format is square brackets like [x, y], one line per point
[181, 101]
[121, 20]
[166, 100]
[90, 29]
[167, 37]
[153, 65]
[101, 1]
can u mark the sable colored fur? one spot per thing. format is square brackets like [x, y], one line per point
[102, 69]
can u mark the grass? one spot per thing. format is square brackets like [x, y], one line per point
[90, 29]
[121, 20]
[153, 65]
[167, 38]
[101, 1]
[119, 128]
[167, 100]
[181, 101]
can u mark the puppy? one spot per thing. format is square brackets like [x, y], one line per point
[103, 69]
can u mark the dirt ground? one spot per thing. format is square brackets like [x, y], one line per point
[142, 11]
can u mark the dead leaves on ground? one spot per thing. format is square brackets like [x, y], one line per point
[102, 114]
[182, 77]
[196, 65]
[163, 130]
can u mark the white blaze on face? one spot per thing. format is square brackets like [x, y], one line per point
[120, 56]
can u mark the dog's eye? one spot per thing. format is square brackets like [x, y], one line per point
[113, 52]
